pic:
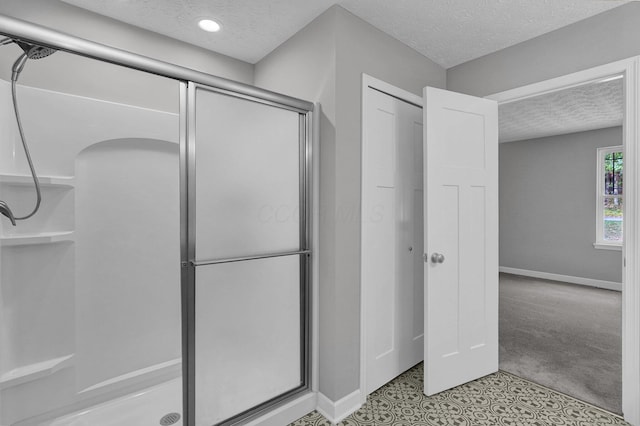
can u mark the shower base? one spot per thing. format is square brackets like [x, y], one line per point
[146, 407]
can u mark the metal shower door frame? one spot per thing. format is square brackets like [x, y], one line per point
[188, 235]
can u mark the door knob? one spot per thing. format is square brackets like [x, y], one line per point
[437, 258]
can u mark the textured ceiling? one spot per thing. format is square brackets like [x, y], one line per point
[587, 107]
[449, 32]
[455, 31]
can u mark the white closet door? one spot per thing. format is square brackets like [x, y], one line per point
[392, 237]
[461, 236]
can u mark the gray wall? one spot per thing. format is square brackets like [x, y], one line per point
[604, 38]
[548, 206]
[71, 74]
[334, 51]
[361, 48]
[304, 66]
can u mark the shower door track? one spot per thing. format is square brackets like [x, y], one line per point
[37, 34]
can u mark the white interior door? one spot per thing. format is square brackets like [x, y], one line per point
[392, 270]
[461, 238]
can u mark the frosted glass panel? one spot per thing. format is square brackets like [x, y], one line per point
[247, 335]
[247, 177]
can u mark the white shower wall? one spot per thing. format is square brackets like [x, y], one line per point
[89, 287]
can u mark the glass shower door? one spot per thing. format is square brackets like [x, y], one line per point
[248, 228]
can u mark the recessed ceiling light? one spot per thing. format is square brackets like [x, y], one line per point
[209, 25]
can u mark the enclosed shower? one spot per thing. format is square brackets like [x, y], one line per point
[155, 240]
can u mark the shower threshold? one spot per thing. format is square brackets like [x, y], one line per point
[145, 407]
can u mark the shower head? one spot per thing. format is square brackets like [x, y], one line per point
[33, 51]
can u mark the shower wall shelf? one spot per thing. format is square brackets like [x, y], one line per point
[64, 181]
[39, 238]
[35, 371]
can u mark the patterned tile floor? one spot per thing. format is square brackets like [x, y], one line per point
[498, 399]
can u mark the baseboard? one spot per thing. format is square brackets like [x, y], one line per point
[337, 411]
[289, 412]
[609, 285]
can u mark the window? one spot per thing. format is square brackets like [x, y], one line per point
[610, 198]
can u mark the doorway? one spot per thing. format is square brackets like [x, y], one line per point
[630, 295]
[561, 198]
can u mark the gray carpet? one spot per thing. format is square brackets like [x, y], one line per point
[563, 336]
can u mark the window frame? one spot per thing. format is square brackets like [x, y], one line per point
[601, 243]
